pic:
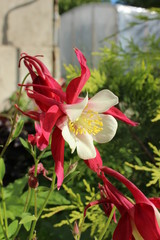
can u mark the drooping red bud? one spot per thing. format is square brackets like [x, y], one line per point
[33, 182]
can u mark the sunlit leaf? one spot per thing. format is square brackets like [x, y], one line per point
[2, 169]
[12, 228]
[18, 129]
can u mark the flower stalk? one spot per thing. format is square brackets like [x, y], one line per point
[43, 206]
[13, 121]
[4, 210]
[26, 207]
[2, 225]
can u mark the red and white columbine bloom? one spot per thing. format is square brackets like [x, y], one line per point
[85, 122]
[66, 117]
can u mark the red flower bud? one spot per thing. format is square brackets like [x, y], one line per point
[33, 181]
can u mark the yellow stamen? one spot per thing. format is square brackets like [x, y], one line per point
[89, 121]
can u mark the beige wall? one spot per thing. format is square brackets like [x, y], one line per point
[25, 26]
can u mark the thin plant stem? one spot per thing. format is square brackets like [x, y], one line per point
[27, 203]
[35, 190]
[2, 225]
[36, 165]
[43, 206]
[30, 191]
[4, 150]
[35, 202]
[26, 206]
[14, 121]
[41, 154]
[107, 223]
[4, 209]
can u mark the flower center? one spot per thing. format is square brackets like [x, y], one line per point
[89, 121]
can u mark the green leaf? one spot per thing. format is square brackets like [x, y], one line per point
[43, 189]
[27, 226]
[2, 169]
[27, 218]
[19, 128]
[15, 189]
[56, 198]
[15, 205]
[46, 154]
[12, 228]
[26, 145]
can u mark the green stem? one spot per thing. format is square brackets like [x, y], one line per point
[35, 190]
[41, 154]
[2, 225]
[26, 207]
[35, 202]
[28, 200]
[43, 206]
[107, 224]
[2, 153]
[10, 135]
[14, 121]
[4, 209]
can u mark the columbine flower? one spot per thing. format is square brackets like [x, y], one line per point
[85, 122]
[139, 220]
[67, 117]
[41, 77]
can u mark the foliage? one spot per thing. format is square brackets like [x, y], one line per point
[65, 5]
[157, 116]
[95, 83]
[15, 197]
[150, 167]
[95, 220]
[141, 3]
[154, 169]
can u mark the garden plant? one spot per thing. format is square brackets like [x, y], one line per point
[73, 127]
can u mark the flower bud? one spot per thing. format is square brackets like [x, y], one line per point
[33, 181]
[72, 167]
[75, 229]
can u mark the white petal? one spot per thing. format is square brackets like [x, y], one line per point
[85, 146]
[102, 101]
[69, 138]
[75, 110]
[109, 129]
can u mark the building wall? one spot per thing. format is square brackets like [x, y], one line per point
[25, 26]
